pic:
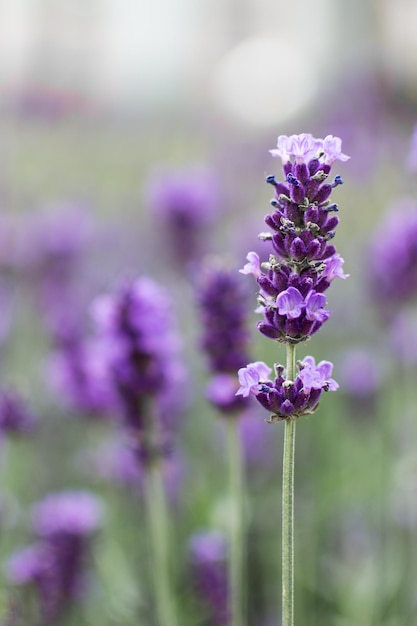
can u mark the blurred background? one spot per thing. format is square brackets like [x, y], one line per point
[134, 141]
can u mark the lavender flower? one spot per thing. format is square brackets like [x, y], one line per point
[142, 346]
[293, 281]
[286, 398]
[304, 263]
[224, 310]
[393, 259]
[55, 565]
[208, 553]
[186, 204]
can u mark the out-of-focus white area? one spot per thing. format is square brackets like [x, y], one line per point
[259, 61]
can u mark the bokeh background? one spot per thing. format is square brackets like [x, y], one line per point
[105, 107]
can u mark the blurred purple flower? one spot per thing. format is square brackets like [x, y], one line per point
[27, 565]
[186, 204]
[64, 523]
[67, 513]
[393, 259]
[15, 415]
[141, 347]
[359, 372]
[208, 554]
[224, 308]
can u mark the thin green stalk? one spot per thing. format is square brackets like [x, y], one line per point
[159, 538]
[288, 507]
[237, 527]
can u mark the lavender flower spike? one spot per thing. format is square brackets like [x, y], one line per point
[64, 523]
[291, 293]
[224, 309]
[141, 347]
[293, 280]
[303, 224]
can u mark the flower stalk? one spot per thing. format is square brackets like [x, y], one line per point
[237, 604]
[288, 507]
[159, 538]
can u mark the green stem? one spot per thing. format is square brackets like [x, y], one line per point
[288, 507]
[236, 557]
[159, 538]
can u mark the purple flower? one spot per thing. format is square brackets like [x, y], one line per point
[186, 204]
[224, 309]
[290, 303]
[71, 512]
[141, 348]
[314, 307]
[332, 148]
[208, 554]
[253, 266]
[317, 377]
[333, 268]
[251, 378]
[302, 147]
[27, 565]
[293, 280]
[289, 399]
[55, 565]
[393, 259]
